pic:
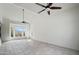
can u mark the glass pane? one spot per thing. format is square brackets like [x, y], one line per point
[20, 31]
[23, 33]
[18, 34]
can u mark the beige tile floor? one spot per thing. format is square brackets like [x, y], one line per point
[33, 47]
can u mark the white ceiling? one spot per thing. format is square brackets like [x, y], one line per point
[35, 8]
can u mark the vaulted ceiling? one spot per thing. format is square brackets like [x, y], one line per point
[36, 8]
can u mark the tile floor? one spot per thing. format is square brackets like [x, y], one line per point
[33, 47]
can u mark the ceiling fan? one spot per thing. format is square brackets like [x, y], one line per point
[48, 6]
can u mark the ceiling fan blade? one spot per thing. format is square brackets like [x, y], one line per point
[49, 5]
[55, 7]
[41, 10]
[48, 12]
[40, 4]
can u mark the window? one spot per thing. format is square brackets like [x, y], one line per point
[18, 31]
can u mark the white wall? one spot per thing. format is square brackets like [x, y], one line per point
[5, 30]
[0, 32]
[60, 28]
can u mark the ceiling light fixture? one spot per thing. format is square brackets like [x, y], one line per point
[23, 17]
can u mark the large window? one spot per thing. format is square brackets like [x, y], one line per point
[19, 31]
